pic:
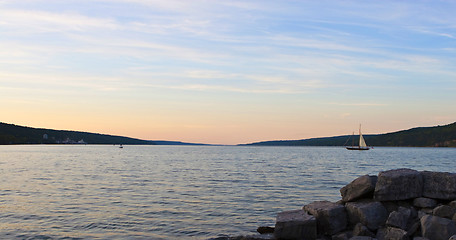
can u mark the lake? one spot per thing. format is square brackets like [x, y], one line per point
[178, 192]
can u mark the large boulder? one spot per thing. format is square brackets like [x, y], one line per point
[361, 230]
[444, 211]
[439, 185]
[452, 204]
[437, 228]
[399, 218]
[331, 217]
[359, 188]
[342, 236]
[391, 233]
[395, 234]
[399, 184]
[296, 225]
[423, 202]
[371, 214]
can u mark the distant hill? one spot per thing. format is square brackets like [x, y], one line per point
[438, 136]
[14, 134]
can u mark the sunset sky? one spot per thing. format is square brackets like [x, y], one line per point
[227, 72]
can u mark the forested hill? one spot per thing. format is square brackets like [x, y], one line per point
[439, 136]
[14, 134]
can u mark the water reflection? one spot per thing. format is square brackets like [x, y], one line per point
[166, 192]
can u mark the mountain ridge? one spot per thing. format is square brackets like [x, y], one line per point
[16, 134]
[435, 136]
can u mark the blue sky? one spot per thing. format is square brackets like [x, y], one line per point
[227, 71]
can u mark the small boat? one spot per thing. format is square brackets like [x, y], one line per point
[362, 144]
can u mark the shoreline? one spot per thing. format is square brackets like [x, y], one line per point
[402, 204]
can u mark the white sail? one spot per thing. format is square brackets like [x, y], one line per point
[362, 143]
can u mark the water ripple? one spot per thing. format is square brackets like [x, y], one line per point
[170, 192]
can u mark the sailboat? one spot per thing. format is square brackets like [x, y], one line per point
[362, 143]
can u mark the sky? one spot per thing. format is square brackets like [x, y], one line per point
[227, 72]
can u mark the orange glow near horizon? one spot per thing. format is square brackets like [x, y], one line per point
[262, 70]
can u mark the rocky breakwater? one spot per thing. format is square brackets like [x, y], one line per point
[396, 204]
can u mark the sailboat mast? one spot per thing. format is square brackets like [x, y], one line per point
[360, 136]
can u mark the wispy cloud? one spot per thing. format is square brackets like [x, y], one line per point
[29, 21]
[321, 50]
[359, 104]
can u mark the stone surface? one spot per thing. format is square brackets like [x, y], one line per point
[414, 228]
[423, 202]
[443, 211]
[361, 230]
[395, 234]
[437, 228]
[359, 188]
[342, 236]
[295, 224]
[399, 218]
[243, 238]
[381, 233]
[390, 206]
[372, 214]
[427, 211]
[439, 185]
[265, 230]
[361, 238]
[399, 184]
[452, 204]
[331, 217]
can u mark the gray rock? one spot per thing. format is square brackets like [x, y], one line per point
[361, 238]
[413, 229]
[437, 228]
[443, 211]
[398, 184]
[372, 214]
[452, 204]
[420, 238]
[395, 234]
[342, 236]
[381, 233]
[361, 230]
[295, 224]
[423, 202]
[242, 238]
[399, 219]
[439, 185]
[331, 217]
[265, 230]
[427, 211]
[390, 206]
[359, 188]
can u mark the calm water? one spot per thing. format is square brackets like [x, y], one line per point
[176, 192]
